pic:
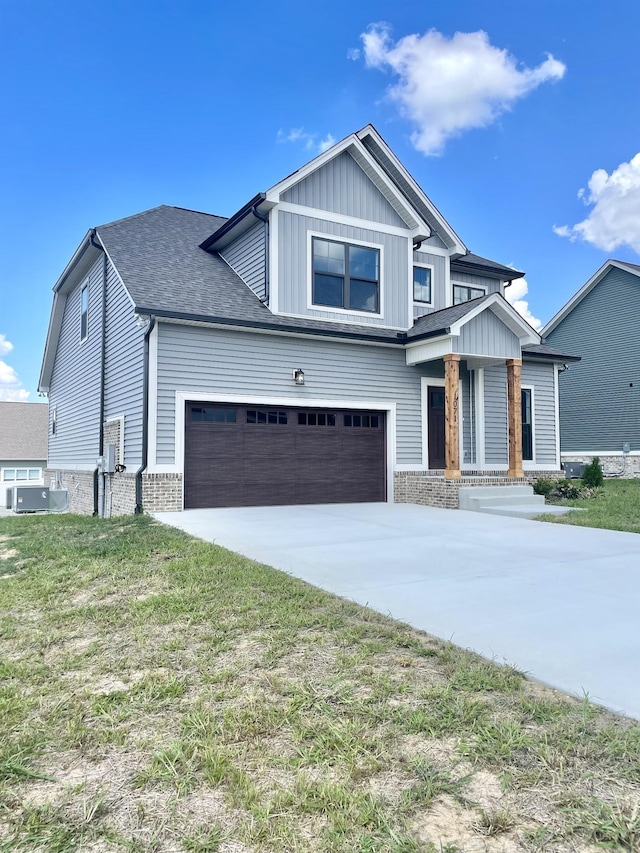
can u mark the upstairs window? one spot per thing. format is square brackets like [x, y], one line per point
[422, 284]
[84, 312]
[464, 293]
[346, 276]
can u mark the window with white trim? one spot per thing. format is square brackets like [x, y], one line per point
[21, 475]
[422, 284]
[527, 424]
[465, 293]
[84, 312]
[345, 276]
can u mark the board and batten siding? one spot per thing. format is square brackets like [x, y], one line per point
[541, 376]
[74, 389]
[217, 361]
[342, 187]
[246, 256]
[600, 395]
[294, 269]
[487, 335]
[496, 435]
[124, 355]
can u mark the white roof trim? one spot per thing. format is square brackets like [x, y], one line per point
[459, 246]
[384, 183]
[595, 279]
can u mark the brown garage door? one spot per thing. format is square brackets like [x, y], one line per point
[265, 456]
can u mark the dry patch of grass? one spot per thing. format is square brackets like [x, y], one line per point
[161, 694]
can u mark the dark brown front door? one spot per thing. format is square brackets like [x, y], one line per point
[435, 425]
[274, 455]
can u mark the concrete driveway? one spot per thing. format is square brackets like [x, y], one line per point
[560, 602]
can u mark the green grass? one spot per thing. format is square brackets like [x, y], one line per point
[158, 693]
[615, 507]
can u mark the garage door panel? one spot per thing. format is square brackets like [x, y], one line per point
[266, 456]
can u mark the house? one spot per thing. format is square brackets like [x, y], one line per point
[332, 341]
[600, 396]
[23, 445]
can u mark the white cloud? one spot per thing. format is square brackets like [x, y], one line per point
[308, 140]
[5, 345]
[10, 386]
[514, 295]
[615, 218]
[448, 85]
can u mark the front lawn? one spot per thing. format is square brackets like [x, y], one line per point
[159, 694]
[615, 506]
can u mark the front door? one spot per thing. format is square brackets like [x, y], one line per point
[435, 426]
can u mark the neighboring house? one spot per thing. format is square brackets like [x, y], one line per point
[334, 340]
[600, 396]
[23, 446]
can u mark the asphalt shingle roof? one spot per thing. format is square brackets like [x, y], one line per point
[476, 262]
[439, 321]
[23, 431]
[544, 351]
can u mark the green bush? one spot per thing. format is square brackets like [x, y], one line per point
[544, 486]
[593, 476]
[568, 490]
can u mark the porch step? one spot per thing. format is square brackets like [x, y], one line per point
[519, 501]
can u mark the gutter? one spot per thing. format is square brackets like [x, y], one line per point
[103, 351]
[233, 221]
[145, 415]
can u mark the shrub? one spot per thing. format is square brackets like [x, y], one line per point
[568, 490]
[544, 486]
[593, 476]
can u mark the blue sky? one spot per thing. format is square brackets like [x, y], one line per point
[514, 118]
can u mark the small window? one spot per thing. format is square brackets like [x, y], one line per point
[54, 420]
[527, 425]
[363, 421]
[84, 312]
[257, 416]
[35, 473]
[316, 419]
[422, 284]
[463, 293]
[8, 475]
[346, 276]
[214, 414]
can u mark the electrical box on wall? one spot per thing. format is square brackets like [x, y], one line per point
[626, 447]
[110, 459]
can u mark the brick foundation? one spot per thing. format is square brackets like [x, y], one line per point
[432, 489]
[79, 484]
[625, 466]
[162, 492]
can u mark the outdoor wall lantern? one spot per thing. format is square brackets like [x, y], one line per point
[298, 376]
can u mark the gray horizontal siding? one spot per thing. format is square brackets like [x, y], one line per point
[294, 269]
[75, 380]
[124, 367]
[541, 376]
[495, 416]
[246, 256]
[600, 395]
[491, 285]
[438, 282]
[487, 335]
[227, 362]
[342, 187]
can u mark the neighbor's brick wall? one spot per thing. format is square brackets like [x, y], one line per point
[612, 466]
[162, 492]
[432, 489]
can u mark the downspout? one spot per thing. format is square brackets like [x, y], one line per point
[264, 218]
[145, 416]
[97, 510]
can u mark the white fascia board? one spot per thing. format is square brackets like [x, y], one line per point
[459, 247]
[429, 350]
[383, 182]
[595, 279]
[505, 312]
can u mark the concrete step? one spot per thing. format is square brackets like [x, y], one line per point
[491, 491]
[524, 511]
[500, 500]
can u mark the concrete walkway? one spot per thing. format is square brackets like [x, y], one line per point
[560, 602]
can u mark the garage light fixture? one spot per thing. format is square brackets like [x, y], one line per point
[298, 376]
